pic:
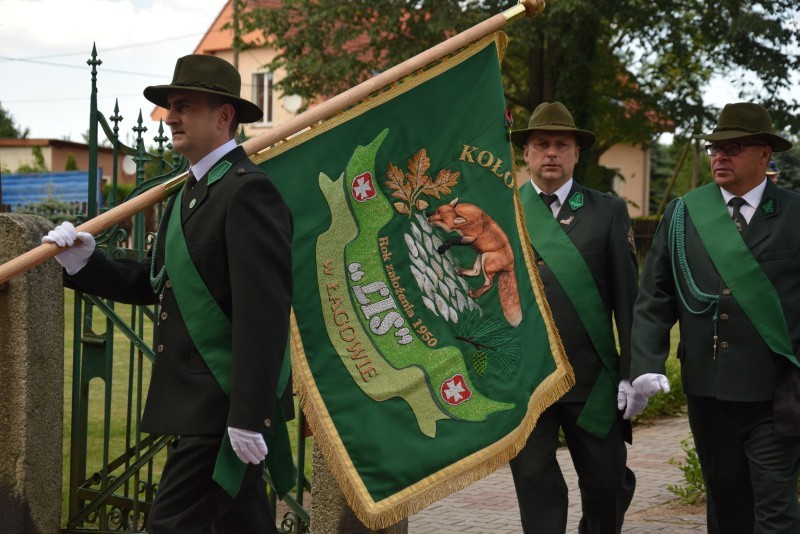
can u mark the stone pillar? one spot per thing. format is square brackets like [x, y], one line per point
[330, 512]
[31, 384]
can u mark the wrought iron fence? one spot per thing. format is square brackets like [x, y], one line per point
[114, 468]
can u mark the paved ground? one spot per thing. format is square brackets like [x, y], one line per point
[490, 505]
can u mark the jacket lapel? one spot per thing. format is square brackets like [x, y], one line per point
[759, 227]
[196, 197]
[193, 198]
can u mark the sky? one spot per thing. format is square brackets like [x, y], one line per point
[45, 83]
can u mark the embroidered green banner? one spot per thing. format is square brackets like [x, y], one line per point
[423, 349]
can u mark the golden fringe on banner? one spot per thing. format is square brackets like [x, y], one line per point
[381, 514]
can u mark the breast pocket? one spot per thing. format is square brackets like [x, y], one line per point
[778, 256]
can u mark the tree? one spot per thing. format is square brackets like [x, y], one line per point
[38, 165]
[694, 171]
[789, 164]
[7, 127]
[72, 163]
[625, 68]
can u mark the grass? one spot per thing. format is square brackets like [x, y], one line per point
[126, 370]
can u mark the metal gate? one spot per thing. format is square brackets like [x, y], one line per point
[114, 469]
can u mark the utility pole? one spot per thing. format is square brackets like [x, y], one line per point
[236, 34]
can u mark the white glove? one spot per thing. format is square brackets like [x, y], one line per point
[74, 258]
[651, 383]
[629, 399]
[249, 446]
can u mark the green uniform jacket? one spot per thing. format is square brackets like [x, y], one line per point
[239, 234]
[599, 229]
[744, 369]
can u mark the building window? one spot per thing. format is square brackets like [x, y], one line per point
[262, 94]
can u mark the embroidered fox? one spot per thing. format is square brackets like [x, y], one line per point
[495, 257]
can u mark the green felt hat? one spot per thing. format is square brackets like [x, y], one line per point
[206, 74]
[553, 117]
[745, 119]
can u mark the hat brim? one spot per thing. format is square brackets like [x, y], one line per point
[778, 144]
[246, 110]
[584, 138]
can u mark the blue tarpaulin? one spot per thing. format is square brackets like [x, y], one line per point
[69, 186]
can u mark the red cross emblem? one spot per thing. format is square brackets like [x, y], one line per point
[455, 391]
[363, 188]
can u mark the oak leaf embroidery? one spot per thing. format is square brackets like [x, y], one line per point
[409, 186]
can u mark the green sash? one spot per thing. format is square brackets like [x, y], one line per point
[572, 273]
[210, 330]
[738, 268]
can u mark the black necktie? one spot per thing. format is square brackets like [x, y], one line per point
[190, 180]
[548, 199]
[738, 218]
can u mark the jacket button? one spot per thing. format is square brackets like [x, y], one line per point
[267, 423]
[164, 316]
[725, 291]
[168, 285]
[723, 345]
[723, 317]
[539, 262]
[160, 349]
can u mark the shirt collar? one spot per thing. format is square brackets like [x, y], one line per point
[561, 192]
[752, 197]
[202, 167]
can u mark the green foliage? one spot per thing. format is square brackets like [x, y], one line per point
[123, 190]
[8, 128]
[329, 46]
[52, 209]
[158, 165]
[694, 490]
[694, 172]
[38, 164]
[627, 70]
[789, 164]
[72, 163]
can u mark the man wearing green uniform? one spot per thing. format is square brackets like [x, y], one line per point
[586, 260]
[725, 263]
[221, 270]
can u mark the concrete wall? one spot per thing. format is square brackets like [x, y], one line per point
[31, 384]
[330, 511]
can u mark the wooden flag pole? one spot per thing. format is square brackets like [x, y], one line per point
[340, 102]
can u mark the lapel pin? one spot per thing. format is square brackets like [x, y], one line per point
[576, 201]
